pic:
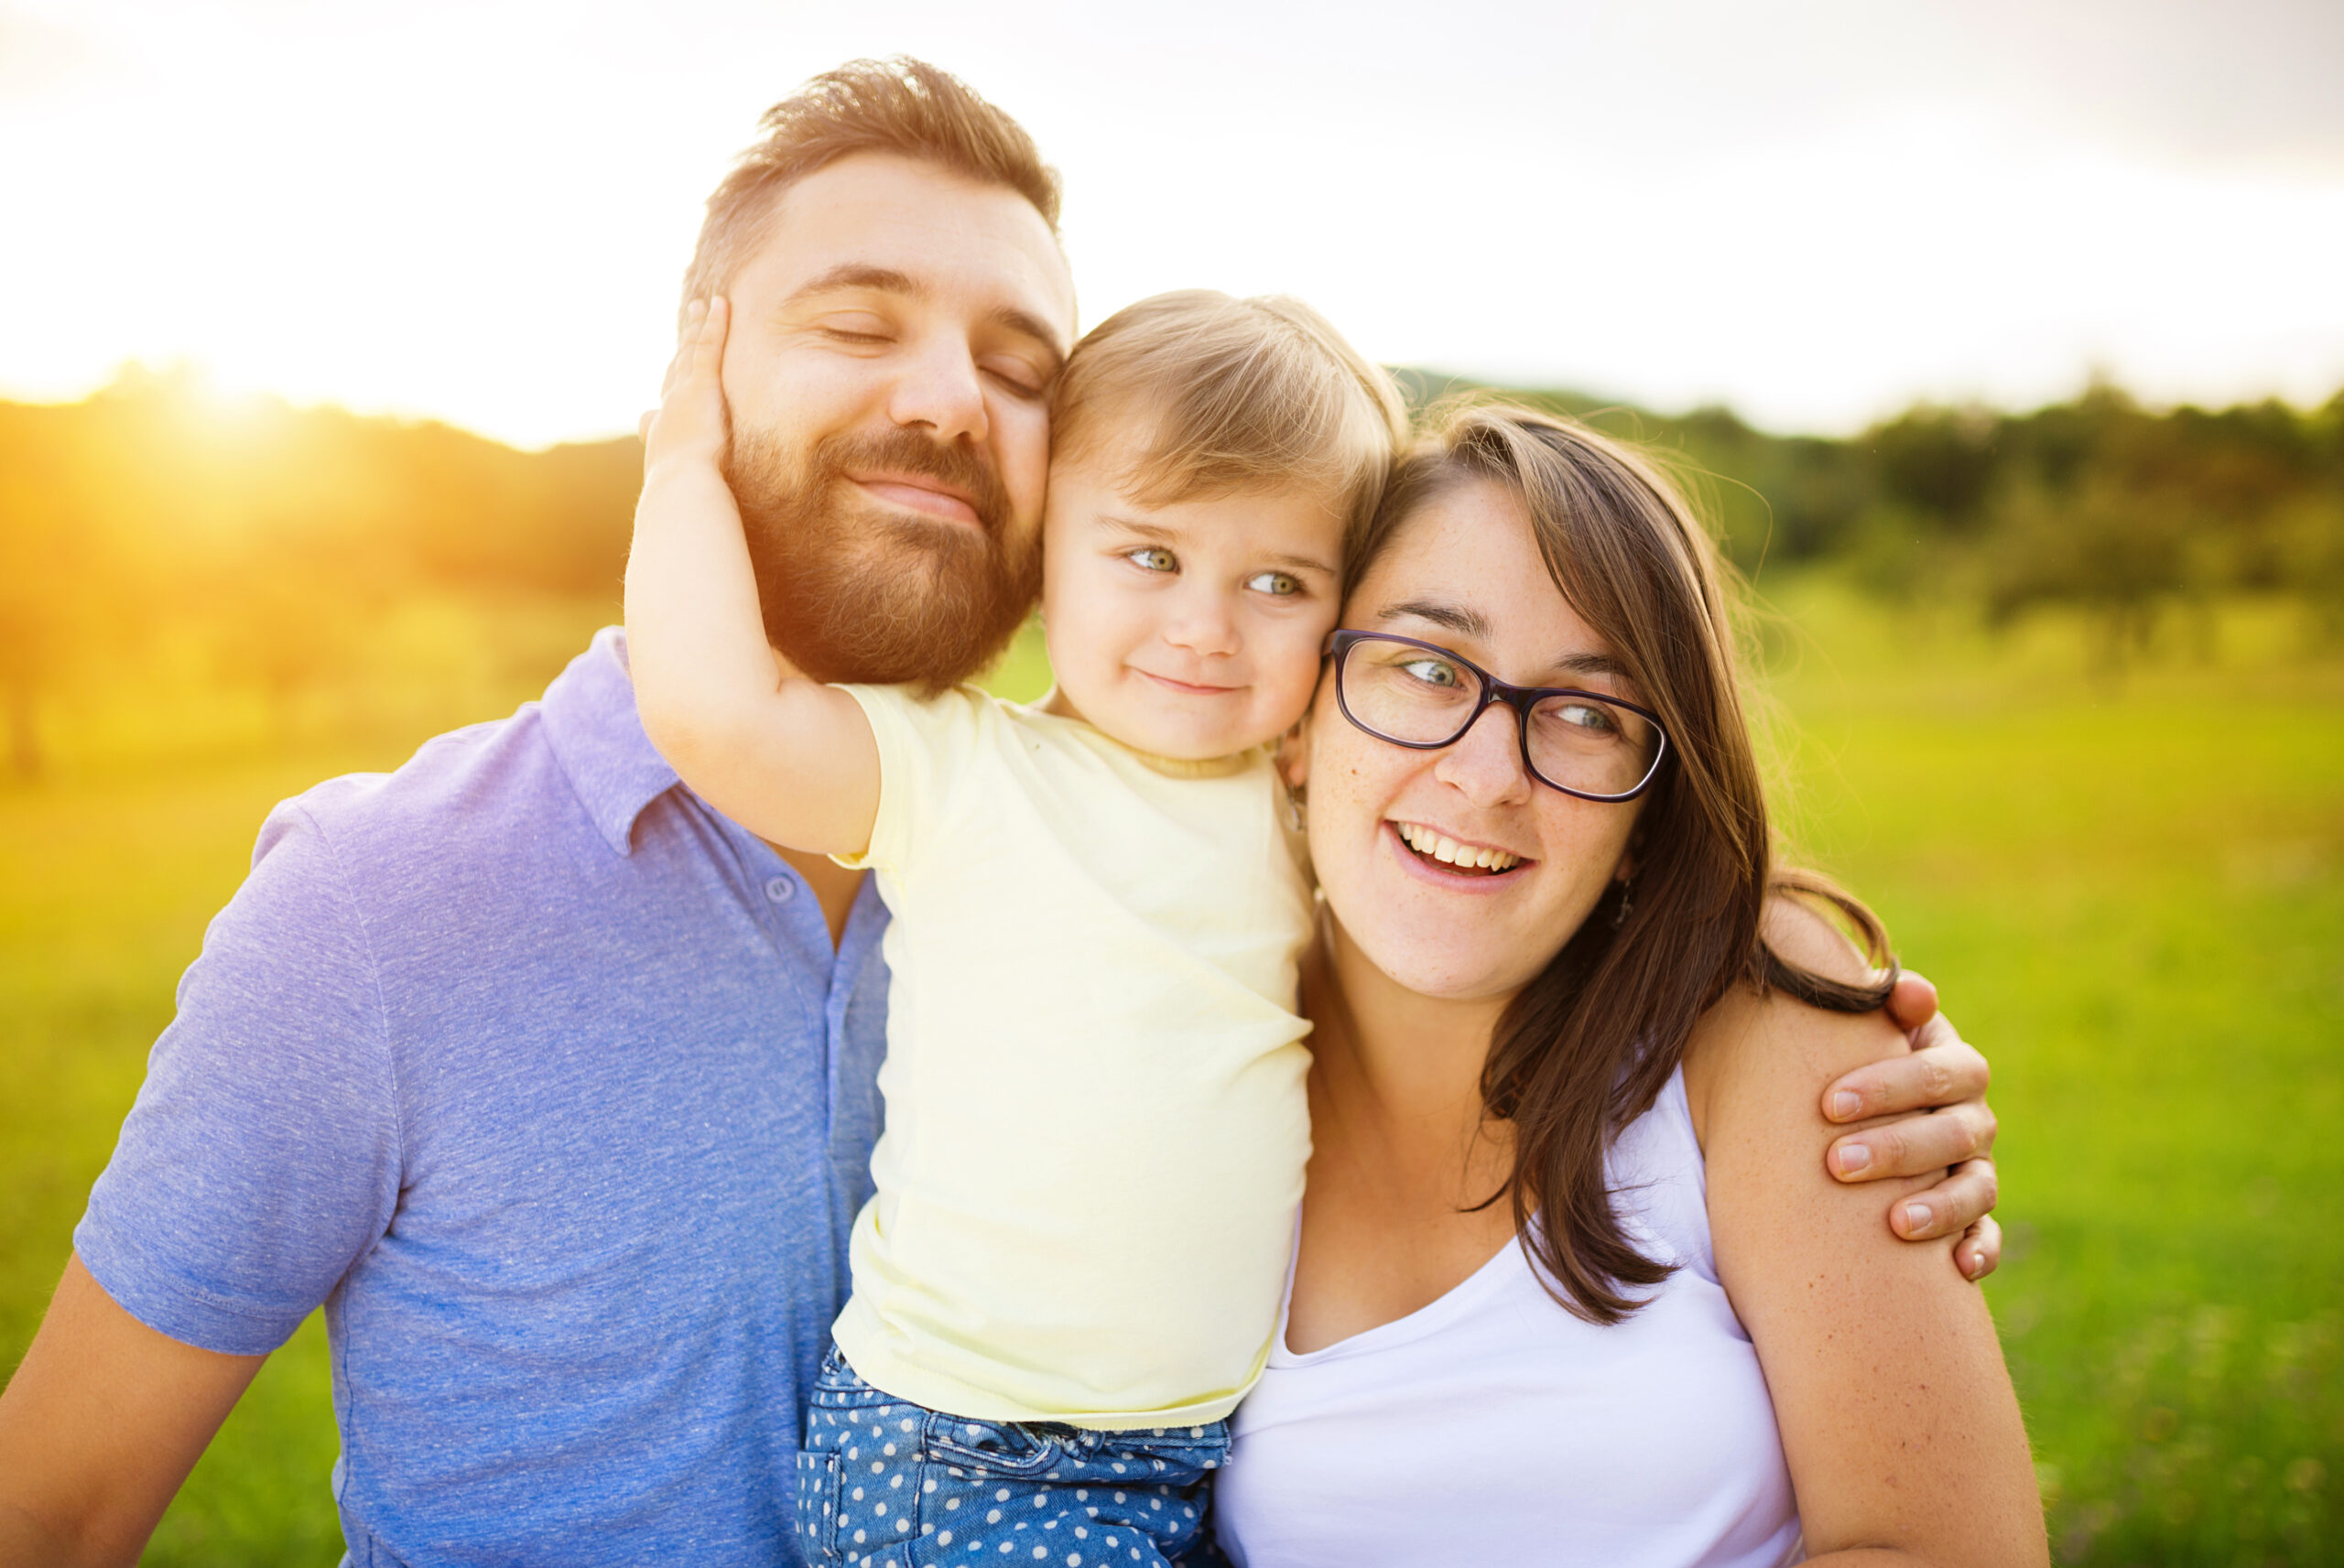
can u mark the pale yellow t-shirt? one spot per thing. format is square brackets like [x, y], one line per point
[1096, 1122]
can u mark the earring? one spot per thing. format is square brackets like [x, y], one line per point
[1620, 916]
[1296, 810]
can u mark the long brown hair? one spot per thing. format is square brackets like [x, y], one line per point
[1588, 1044]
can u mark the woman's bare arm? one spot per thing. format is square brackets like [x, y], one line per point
[1897, 1412]
[790, 760]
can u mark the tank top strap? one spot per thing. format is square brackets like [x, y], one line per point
[1660, 1184]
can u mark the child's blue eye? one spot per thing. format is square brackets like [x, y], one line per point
[1283, 585]
[1151, 558]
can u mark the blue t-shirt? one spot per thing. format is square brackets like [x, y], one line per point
[543, 1079]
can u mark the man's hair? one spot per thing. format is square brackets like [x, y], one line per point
[1232, 396]
[901, 105]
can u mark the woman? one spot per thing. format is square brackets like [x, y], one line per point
[1566, 1292]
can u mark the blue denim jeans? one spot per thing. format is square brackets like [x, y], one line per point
[883, 1483]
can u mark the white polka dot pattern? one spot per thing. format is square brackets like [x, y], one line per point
[883, 1483]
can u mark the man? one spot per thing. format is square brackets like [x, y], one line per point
[553, 1086]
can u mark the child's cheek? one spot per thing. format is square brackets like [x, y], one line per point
[1292, 678]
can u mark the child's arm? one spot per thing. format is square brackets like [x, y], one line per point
[790, 760]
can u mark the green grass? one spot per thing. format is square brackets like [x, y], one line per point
[104, 890]
[2133, 897]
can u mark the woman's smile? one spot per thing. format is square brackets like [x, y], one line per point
[1461, 856]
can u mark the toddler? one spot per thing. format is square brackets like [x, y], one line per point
[1096, 1127]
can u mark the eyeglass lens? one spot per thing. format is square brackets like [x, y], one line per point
[1414, 696]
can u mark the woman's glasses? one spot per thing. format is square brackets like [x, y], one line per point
[1421, 696]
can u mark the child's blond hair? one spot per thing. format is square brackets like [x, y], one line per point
[1233, 396]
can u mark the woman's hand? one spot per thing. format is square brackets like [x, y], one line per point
[1939, 1091]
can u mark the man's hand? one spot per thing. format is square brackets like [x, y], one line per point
[1939, 1091]
[98, 1428]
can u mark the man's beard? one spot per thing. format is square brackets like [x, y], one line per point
[851, 593]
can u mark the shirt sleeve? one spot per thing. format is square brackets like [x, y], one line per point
[925, 747]
[262, 1157]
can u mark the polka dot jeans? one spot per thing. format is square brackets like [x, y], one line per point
[883, 1483]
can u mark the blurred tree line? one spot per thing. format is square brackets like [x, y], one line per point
[266, 544]
[2125, 513]
[267, 548]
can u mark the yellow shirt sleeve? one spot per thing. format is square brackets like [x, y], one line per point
[925, 746]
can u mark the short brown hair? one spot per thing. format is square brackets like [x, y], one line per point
[899, 105]
[1233, 395]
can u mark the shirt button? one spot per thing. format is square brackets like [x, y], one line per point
[781, 890]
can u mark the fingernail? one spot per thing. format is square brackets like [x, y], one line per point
[1846, 1103]
[1854, 1157]
[1917, 1218]
[1972, 1263]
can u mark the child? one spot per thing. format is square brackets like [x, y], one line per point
[1096, 1127]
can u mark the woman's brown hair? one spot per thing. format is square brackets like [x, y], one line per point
[1588, 1045]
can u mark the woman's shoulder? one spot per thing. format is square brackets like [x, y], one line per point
[1873, 1349]
[1767, 1055]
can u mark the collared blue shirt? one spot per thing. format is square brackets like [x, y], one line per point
[544, 1080]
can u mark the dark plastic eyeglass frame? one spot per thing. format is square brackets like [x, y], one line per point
[1521, 698]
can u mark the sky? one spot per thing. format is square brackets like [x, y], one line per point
[1815, 211]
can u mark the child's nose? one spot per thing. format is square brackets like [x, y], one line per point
[1204, 627]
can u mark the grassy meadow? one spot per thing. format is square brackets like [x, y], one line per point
[2130, 889]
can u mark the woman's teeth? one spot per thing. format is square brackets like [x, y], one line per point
[1450, 852]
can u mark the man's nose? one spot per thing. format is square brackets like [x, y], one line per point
[1485, 764]
[942, 389]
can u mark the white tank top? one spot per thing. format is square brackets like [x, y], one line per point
[1492, 1426]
